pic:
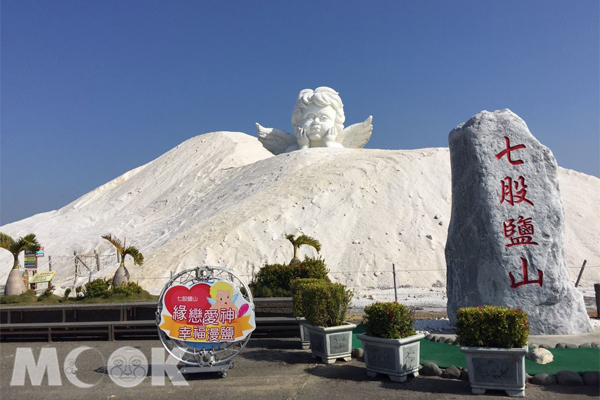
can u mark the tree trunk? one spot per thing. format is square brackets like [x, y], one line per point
[14, 283]
[121, 276]
[295, 261]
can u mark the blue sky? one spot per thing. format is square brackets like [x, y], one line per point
[92, 89]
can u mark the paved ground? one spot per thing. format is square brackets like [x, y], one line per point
[266, 369]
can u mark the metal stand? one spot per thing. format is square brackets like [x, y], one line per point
[217, 368]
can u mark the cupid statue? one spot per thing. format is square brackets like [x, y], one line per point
[318, 121]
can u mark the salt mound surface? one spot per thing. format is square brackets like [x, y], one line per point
[222, 199]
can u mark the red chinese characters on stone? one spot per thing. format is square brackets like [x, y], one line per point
[506, 152]
[525, 281]
[514, 192]
[525, 232]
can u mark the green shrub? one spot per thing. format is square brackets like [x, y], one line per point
[47, 293]
[297, 284]
[127, 289]
[97, 288]
[275, 280]
[492, 326]
[67, 293]
[389, 320]
[324, 303]
[79, 291]
[104, 288]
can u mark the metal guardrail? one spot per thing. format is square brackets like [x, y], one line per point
[113, 321]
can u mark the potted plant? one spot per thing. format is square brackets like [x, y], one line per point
[297, 308]
[494, 341]
[325, 306]
[391, 345]
[121, 276]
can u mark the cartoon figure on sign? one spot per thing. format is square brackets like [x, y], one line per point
[222, 297]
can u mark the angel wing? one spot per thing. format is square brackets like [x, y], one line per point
[275, 140]
[357, 135]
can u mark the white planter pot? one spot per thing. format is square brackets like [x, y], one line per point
[494, 368]
[304, 335]
[396, 358]
[331, 343]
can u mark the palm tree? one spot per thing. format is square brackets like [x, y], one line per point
[14, 283]
[299, 241]
[122, 275]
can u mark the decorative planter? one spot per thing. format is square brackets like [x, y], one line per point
[331, 343]
[494, 368]
[304, 335]
[396, 358]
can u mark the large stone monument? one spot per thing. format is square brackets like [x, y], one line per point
[318, 121]
[505, 239]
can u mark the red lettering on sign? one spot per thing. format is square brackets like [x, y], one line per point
[195, 316]
[506, 152]
[525, 228]
[525, 280]
[211, 317]
[199, 333]
[227, 332]
[185, 332]
[179, 312]
[514, 192]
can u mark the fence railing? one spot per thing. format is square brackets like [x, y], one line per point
[88, 265]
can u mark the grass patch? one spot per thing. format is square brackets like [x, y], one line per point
[30, 299]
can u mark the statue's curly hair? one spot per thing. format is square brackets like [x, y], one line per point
[322, 96]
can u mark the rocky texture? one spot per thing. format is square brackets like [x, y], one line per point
[451, 372]
[540, 356]
[591, 378]
[430, 369]
[543, 379]
[569, 378]
[506, 233]
[358, 353]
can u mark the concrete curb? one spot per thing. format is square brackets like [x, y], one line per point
[590, 378]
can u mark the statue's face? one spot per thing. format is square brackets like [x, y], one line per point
[317, 120]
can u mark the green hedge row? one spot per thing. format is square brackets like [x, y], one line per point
[492, 326]
[275, 280]
[389, 320]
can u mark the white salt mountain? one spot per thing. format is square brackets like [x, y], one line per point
[222, 198]
[505, 240]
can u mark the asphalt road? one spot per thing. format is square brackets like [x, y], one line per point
[265, 369]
